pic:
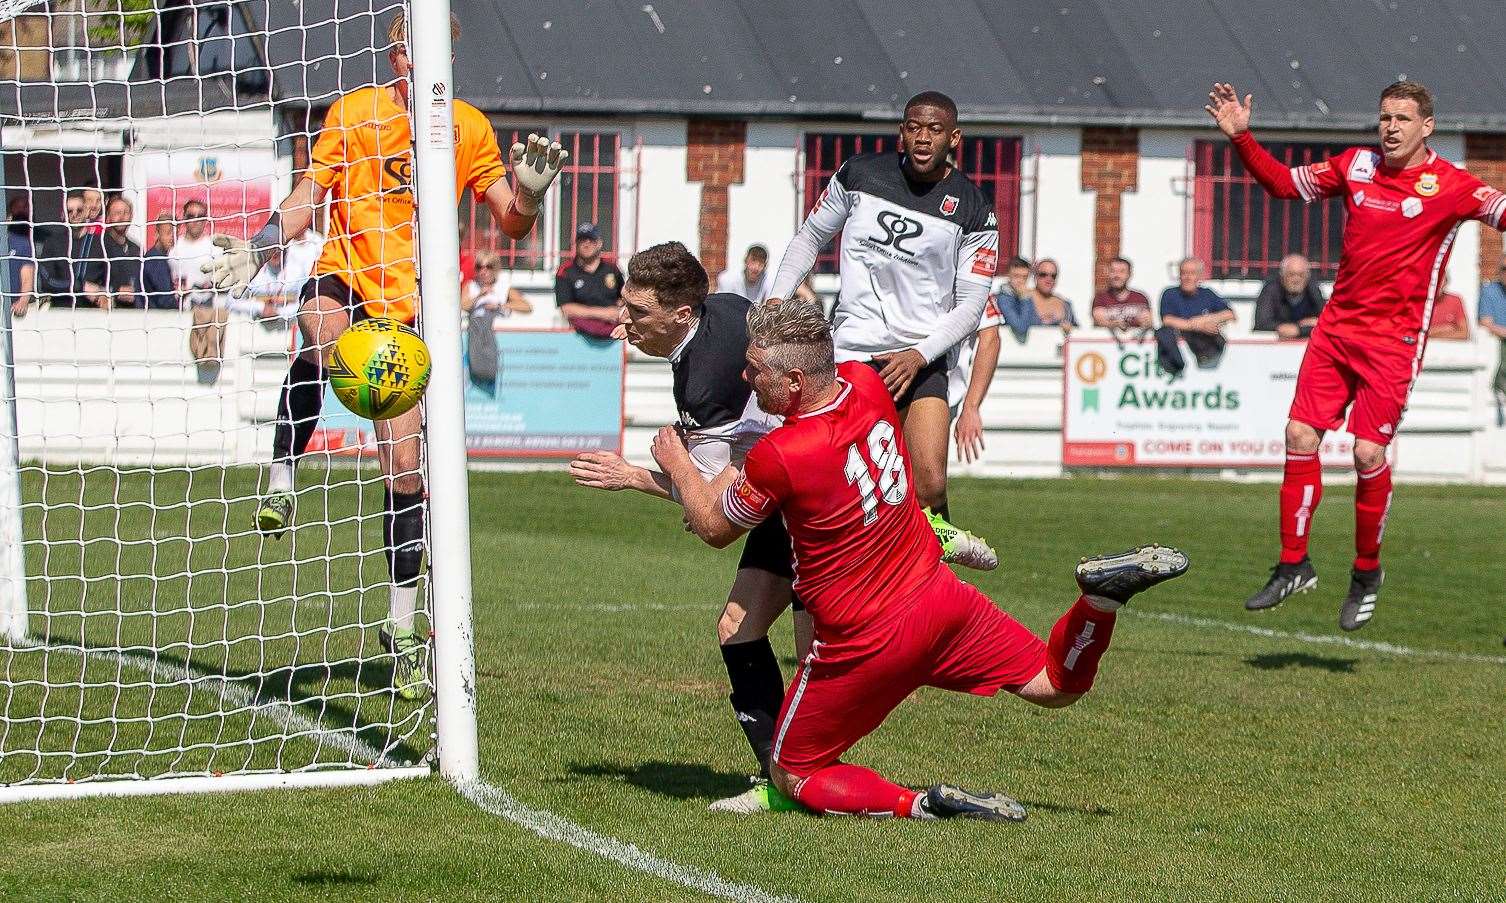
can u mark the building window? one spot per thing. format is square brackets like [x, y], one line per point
[586, 192]
[992, 163]
[1242, 232]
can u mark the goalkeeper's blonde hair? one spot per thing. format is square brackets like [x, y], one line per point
[397, 28]
[794, 335]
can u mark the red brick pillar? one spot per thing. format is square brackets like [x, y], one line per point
[1110, 167]
[1485, 158]
[714, 157]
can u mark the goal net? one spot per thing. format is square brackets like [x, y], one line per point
[151, 636]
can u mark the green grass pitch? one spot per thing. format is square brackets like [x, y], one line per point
[1209, 763]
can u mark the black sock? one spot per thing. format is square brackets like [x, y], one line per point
[298, 410]
[757, 693]
[403, 536]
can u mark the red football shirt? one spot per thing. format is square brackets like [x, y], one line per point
[839, 474]
[1398, 233]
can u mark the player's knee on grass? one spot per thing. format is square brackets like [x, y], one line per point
[1302, 438]
[1368, 455]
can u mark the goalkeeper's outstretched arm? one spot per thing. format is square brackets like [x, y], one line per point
[535, 165]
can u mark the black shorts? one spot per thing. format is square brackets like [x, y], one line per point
[929, 382]
[331, 286]
[767, 548]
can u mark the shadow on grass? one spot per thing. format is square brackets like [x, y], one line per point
[1280, 661]
[327, 878]
[677, 780]
[1095, 810]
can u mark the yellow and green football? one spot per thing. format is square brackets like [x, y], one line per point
[378, 368]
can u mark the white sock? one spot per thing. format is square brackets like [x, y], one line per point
[281, 478]
[918, 811]
[404, 603]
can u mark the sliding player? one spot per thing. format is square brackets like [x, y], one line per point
[1405, 205]
[363, 161]
[889, 618]
[919, 247]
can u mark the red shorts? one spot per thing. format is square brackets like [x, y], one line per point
[1376, 377]
[952, 637]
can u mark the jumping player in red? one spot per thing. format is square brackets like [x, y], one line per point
[889, 617]
[1405, 205]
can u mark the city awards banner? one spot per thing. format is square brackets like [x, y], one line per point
[1122, 410]
[549, 394]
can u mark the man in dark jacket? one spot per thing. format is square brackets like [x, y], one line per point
[1290, 301]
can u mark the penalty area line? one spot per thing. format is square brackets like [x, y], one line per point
[549, 826]
[1320, 639]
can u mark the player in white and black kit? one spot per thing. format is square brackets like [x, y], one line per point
[920, 244]
[667, 313]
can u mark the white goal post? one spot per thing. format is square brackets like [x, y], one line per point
[152, 639]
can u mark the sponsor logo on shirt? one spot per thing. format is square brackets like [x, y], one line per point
[400, 170]
[750, 496]
[949, 205]
[1362, 167]
[1427, 184]
[897, 230]
[1319, 167]
[1411, 207]
[1363, 200]
[580, 283]
[985, 262]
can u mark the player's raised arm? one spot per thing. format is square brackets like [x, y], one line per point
[535, 165]
[824, 222]
[1232, 115]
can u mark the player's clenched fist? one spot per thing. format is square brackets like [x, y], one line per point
[535, 165]
[669, 448]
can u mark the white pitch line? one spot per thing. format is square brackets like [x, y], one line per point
[552, 827]
[1320, 638]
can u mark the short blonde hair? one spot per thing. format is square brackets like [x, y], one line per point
[488, 258]
[397, 28]
[795, 336]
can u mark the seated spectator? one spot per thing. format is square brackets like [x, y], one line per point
[1194, 313]
[189, 255]
[1008, 298]
[156, 269]
[753, 281]
[122, 257]
[1119, 307]
[94, 210]
[490, 295]
[20, 257]
[1450, 322]
[588, 289]
[1290, 301]
[71, 262]
[1493, 320]
[1041, 306]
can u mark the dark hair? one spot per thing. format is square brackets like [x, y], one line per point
[1123, 260]
[1410, 90]
[1017, 262]
[758, 253]
[672, 273]
[195, 201]
[933, 99]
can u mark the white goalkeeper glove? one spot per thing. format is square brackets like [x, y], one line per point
[233, 270]
[534, 168]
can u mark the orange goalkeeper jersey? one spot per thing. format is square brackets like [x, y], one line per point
[364, 158]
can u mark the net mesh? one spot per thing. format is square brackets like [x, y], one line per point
[155, 632]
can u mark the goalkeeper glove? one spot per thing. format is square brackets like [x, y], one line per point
[534, 168]
[240, 261]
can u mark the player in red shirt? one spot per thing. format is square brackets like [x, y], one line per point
[889, 617]
[1405, 205]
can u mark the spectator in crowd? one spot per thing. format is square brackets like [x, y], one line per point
[188, 257]
[1450, 322]
[1040, 306]
[72, 262]
[156, 268]
[753, 281]
[1012, 295]
[1119, 307]
[588, 288]
[272, 295]
[122, 257]
[1493, 321]
[1194, 313]
[94, 209]
[1290, 301]
[489, 294]
[20, 256]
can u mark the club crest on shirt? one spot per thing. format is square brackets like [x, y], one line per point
[949, 204]
[610, 280]
[1411, 207]
[1427, 184]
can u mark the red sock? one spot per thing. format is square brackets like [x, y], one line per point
[1077, 642]
[1372, 500]
[843, 789]
[1301, 490]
